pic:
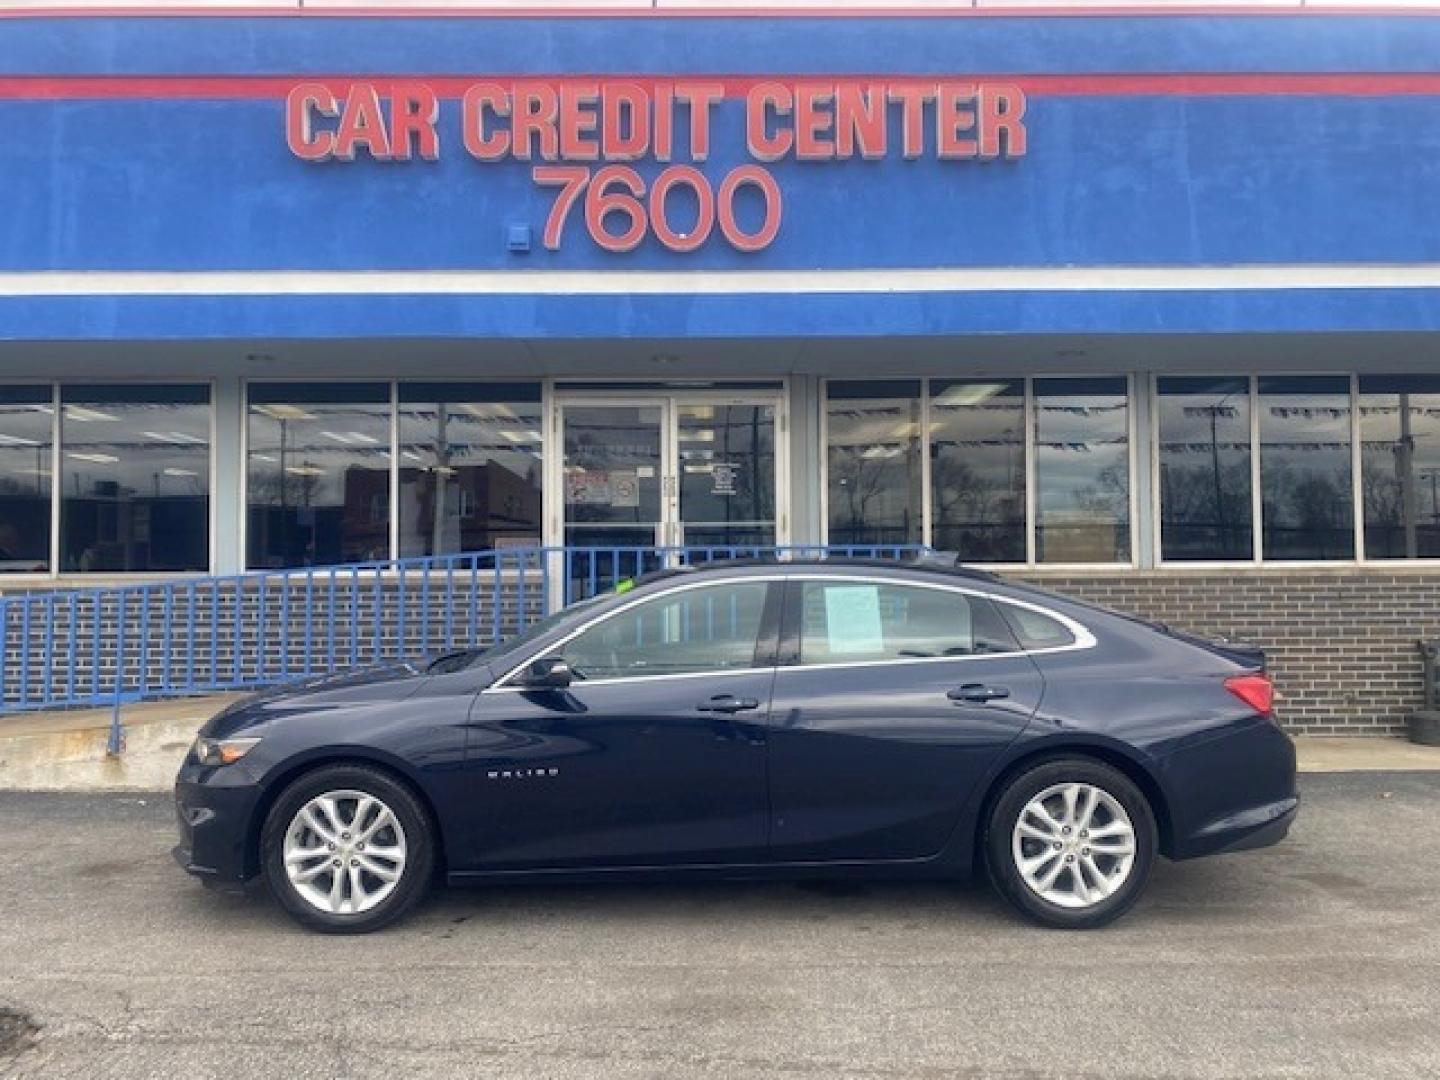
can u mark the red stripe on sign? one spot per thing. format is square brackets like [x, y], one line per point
[901, 12]
[268, 87]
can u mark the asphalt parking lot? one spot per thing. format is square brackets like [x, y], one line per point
[1317, 958]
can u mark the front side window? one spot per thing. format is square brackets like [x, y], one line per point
[1400, 465]
[1205, 468]
[977, 469]
[318, 473]
[845, 621]
[470, 466]
[712, 628]
[27, 417]
[1305, 475]
[135, 478]
[1082, 470]
[873, 452]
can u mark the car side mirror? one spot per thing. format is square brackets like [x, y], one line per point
[548, 673]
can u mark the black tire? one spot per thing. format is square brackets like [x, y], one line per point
[418, 835]
[1000, 840]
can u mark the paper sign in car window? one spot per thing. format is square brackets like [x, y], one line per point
[852, 619]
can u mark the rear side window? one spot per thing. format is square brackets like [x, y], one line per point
[857, 621]
[1036, 630]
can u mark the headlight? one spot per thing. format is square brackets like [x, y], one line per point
[221, 751]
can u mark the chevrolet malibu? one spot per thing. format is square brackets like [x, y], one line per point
[755, 720]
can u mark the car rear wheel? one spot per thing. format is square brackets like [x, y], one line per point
[347, 849]
[1071, 842]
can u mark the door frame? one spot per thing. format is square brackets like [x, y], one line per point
[670, 401]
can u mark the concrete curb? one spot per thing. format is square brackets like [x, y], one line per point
[65, 751]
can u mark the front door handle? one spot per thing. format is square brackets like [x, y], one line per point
[728, 703]
[978, 692]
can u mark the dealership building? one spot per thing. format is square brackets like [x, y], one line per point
[1141, 304]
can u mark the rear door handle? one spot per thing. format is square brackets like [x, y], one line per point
[978, 692]
[728, 703]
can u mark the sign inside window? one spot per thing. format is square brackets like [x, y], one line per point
[852, 620]
[722, 478]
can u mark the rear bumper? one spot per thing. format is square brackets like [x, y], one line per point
[1235, 792]
[1259, 827]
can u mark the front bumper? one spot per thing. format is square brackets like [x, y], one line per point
[1234, 792]
[214, 811]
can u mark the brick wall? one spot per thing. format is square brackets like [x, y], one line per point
[1340, 643]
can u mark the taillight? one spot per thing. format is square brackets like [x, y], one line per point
[1257, 691]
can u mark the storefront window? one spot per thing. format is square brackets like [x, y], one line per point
[470, 466]
[1400, 465]
[977, 469]
[873, 456]
[135, 478]
[1082, 470]
[1305, 475]
[1205, 469]
[27, 417]
[318, 473]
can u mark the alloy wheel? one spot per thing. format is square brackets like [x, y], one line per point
[344, 852]
[1074, 845]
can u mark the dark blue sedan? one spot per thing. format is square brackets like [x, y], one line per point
[797, 718]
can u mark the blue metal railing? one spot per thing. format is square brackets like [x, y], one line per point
[102, 647]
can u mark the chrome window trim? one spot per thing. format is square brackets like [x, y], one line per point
[1084, 639]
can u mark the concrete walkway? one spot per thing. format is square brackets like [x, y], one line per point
[65, 751]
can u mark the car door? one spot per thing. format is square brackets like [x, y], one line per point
[655, 752]
[891, 699]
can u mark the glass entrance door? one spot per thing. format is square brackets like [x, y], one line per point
[672, 471]
[726, 461]
[614, 465]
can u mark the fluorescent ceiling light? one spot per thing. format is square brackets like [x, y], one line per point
[174, 437]
[263, 457]
[698, 435]
[969, 393]
[489, 412]
[16, 440]
[880, 452]
[285, 412]
[84, 415]
[520, 436]
[96, 459]
[304, 470]
[181, 472]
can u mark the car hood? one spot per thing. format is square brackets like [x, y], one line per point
[363, 686]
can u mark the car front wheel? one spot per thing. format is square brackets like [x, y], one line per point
[1071, 842]
[347, 849]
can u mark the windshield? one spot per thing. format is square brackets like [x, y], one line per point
[457, 660]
